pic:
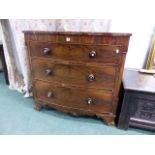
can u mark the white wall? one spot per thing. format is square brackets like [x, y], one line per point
[142, 31]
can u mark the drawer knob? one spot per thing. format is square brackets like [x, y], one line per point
[48, 71]
[50, 94]
[90, 101]
[91, 77]
[92, 54]
[46, 51]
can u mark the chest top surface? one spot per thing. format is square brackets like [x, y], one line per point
[134, 80]
[79, 33]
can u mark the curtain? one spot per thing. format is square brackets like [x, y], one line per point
[14, 46]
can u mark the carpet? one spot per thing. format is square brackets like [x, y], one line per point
[18, 117]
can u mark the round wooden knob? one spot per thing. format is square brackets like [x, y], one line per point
[92, 54]
[50, 94]
[48, 71]
[91, 77]
[46, 51]
[90, 101]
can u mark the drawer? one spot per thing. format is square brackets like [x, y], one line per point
[68, 39]
[86, 75]
[79, 39]
[81, 98]
[87, 53]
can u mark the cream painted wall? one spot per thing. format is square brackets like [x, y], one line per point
[142, 31]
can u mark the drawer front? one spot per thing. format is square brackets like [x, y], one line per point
[87, 53]
[81, 98]
[86, 75]
[81, 39]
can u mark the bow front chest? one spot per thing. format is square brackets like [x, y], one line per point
[77, 73]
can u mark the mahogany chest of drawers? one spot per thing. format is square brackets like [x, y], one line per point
[77, 73]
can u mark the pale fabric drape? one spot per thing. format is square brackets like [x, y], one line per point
[15, 78]
[15, 50]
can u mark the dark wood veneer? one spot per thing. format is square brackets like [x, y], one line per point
[87, 53]
[69, 96]
[84, 75]
[77, 73]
